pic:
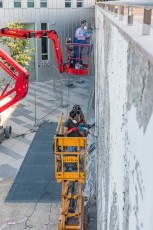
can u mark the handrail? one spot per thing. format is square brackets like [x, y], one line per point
[118, 3]
[59, 126]
[118, 9]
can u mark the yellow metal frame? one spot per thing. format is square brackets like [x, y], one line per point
[70, 220]
[63, 157]
[77, 215]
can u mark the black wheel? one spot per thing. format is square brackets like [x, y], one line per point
[8, 131]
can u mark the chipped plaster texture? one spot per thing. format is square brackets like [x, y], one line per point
[124, 121]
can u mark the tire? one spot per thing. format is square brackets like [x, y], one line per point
[8, 131]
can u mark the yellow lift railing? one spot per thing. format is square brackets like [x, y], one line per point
[69, 165]
[70, 169]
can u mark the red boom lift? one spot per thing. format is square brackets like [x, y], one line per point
[72, 207]
[21, 76]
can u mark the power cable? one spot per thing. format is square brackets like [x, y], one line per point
[47, 225]
[28, 217]
[33, 130]
[12, 223]
[31, 226]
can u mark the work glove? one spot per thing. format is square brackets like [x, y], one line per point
[74, 129]
[81, 129]
[81, 125]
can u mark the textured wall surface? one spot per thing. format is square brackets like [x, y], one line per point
[124, 125]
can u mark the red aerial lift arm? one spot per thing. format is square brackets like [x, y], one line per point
[19, 74]
[16, 72]
[19, 87]
[57, 49]
[62, 67]
[15, 33]
[5, 32]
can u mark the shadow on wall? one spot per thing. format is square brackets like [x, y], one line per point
[140, 86]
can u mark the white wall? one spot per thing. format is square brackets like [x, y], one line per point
[124, 120]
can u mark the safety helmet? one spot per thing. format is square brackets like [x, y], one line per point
[77, 108]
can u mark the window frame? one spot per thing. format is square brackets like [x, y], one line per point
[17, 2]
[30, 1]
[47, 44]
[43, 2]
[1, 3]
[68, 2]
[79, 2]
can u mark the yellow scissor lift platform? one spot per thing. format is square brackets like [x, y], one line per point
[70, 169]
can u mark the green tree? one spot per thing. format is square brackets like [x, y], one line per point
[18, 47]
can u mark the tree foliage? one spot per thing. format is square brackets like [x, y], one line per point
[18, 47]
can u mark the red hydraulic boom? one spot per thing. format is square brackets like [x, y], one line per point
[19, 87]
[21, 76]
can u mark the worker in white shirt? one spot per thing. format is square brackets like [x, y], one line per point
[81, 36]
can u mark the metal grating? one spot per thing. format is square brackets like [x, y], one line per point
[35, 180]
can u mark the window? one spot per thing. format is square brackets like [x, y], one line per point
[1, 4]
[17, 3]
[67, 3]
[44, 43]
[79, 3]
[43, 3]
[30, 3]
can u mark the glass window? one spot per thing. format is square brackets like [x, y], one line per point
[1, 4]
[67, 3]
[43, 3]
[44, 43]
[79, 3]
[17, 3]
[30, 3]
[43, 26]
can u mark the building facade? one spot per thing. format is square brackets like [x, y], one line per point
[63, 16]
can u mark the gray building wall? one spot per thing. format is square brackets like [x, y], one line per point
[66, 22]
[124, 121]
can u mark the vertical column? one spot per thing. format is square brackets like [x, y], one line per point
[109, 8]
[146, 21]
[115, 11]
[121, 13]
[106, 7]
[130, 15]
[112, 9]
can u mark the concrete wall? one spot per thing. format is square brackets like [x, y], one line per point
[124, 125]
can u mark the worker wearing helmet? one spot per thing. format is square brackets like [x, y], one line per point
[79, 114]
[83, 127]
[70, 126]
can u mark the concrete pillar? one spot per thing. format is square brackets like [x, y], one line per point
[130, 15]
[115, 11]
[106, 7]
[112, 9]
[121, 13]
[109, 8]
[146, 21]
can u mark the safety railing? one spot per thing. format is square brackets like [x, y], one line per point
[72, 206]
[121, 9]
[70, 156]
[79, 57]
